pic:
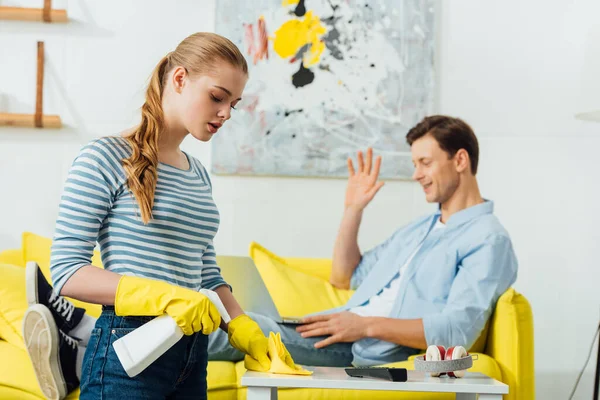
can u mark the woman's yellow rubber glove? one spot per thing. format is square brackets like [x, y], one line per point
[246, 336]
[191, 310]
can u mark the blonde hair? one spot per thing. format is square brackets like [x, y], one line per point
[198, 54]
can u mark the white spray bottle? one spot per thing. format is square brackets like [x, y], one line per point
[141, 347]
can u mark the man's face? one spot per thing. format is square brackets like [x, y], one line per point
[434, 170]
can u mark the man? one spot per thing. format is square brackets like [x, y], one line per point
[434, 281]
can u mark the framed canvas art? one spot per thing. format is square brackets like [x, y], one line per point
[327, 78]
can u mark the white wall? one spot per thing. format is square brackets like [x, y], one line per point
[511, 69]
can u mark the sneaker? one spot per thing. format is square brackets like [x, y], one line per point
[39, 291]
[52, 353]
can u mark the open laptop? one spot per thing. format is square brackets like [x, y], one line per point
[249, 289]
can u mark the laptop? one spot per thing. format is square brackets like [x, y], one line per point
[249, 289]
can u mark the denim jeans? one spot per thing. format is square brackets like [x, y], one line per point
[180, 373]
[301, 349]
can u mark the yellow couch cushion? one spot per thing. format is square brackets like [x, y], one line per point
[295, 293]
[17, 379]
[221, 380]
[37, 248]
[319, 267]
[510, 343]
[13, 304]
[14, 257]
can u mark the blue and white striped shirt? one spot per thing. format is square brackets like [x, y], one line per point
[97, 207]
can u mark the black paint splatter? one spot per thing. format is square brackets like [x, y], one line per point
[268, 132]
[288, 113]
[372, 65]
[300, 9]
[303, 77]
[332, 6]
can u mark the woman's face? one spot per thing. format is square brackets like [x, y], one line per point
[205, 102]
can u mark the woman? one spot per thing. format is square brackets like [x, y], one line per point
[149, 206]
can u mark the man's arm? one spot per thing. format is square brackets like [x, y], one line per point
[346, 254]
[405, 332]
[350, 327]
[362, 187]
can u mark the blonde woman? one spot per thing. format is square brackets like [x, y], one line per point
[149, 206]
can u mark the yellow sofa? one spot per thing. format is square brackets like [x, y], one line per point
[505, 348]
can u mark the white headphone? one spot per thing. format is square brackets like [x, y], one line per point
[439, 353]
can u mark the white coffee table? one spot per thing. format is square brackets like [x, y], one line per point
[263, 386]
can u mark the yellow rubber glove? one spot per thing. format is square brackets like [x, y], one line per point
[192, 310]
[246, 336]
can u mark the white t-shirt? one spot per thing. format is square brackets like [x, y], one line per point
[380, 305]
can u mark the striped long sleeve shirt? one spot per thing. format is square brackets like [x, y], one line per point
[97, 207]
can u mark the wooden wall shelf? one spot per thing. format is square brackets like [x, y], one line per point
[28, 120]
[46, 14]
[37, 120]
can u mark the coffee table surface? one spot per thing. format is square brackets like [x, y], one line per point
[336, 378]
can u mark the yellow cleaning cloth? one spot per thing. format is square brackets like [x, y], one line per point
[281, 360]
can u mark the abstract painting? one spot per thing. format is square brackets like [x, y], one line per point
[327, 78]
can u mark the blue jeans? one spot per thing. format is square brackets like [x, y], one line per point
[180, 373]
[301, 349]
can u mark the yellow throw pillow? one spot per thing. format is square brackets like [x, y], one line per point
[37, 248]
[295, 293]
[319, 267]
[13, 303]
[13, 257]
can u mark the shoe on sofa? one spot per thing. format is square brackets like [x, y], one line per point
[39, 291]
[49, 349]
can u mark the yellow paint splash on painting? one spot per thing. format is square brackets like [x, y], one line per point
[293, 34]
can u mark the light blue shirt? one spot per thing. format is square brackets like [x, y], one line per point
[452, 283]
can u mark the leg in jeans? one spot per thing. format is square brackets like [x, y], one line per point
[103, 375]
[302, 349]
[192, 382]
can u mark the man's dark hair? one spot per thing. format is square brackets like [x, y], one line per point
[452, 134]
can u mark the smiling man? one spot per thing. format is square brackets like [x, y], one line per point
[434, 281]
